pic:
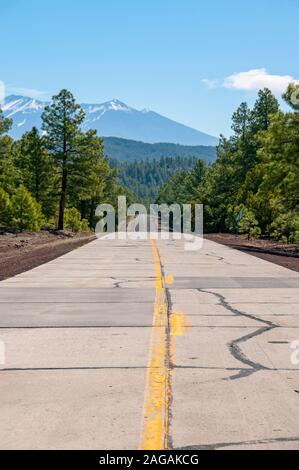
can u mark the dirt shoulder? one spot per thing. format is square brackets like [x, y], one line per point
[269, 250]
[25, 251]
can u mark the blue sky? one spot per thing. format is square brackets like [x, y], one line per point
[172, 56]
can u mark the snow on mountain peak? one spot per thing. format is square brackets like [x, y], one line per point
[112, 118]
[98, 110]
[21, 104]
[117, 105]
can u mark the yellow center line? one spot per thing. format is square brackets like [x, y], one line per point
[156, 406]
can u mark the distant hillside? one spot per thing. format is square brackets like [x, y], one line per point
[131, 150]
[146, 178]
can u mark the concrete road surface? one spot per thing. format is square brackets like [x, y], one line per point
[127, 345]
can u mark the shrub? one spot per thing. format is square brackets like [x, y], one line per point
[285, 227]
[73, 221]
[4, 208]
[25, 211]
[85, 225]
[249, 225]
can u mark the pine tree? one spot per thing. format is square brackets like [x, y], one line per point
[265, 107]
[36, 169]
[61, 122]
[291, 96]
[26, 212]
[241, 122]
[4, 208]
[89, 176]
[7, 171]
[5, 124]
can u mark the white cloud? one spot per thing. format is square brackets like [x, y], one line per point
[256, 79]
[32, 93]
[210, 83]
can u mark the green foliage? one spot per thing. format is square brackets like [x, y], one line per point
[25, 211]
[249, 225]
[130, 151]
[253, 186]
[174, 190]
[84, 226]
[182, 187]
[72, 219]
[91, 179]
[36, 169]
[5, 124]
[41, 176]
[74, 222]
[233, 217]
[264, 109]
[7, 172]
[65, 174]
[146, 178]
[280, 162]
[291, 96]
[61, 122]
[285, 227]
[4, 208]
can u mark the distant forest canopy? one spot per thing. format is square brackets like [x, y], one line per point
[145, 178]
[131, 151]
[253, 186]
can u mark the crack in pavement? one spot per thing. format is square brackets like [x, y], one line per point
[118, 284]
[234, 347]
[220, 445]
[219, 258]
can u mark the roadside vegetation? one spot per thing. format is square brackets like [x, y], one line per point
[253, 186]
[57, 177]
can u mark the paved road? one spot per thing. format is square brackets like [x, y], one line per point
[126, 345]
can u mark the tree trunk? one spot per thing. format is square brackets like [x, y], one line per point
[62, 200]
[91, 213]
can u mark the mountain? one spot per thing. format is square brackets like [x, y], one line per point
[125, 150]
[112, 118]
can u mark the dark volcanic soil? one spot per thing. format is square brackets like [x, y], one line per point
[269, 250]
[25, 251]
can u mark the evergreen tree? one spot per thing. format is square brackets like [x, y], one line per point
[61, 122]
[5, 124]
[7, 170]
[291, 96]
[89, 176]
[265, 107]
[36, 169]
[4, 208]
[25, 211]
[241, 122]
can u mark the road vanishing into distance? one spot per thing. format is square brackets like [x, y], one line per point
[143, 345]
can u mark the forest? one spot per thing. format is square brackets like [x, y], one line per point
[56, 178]
[131, 151]
[145, 178]
[253, 186]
